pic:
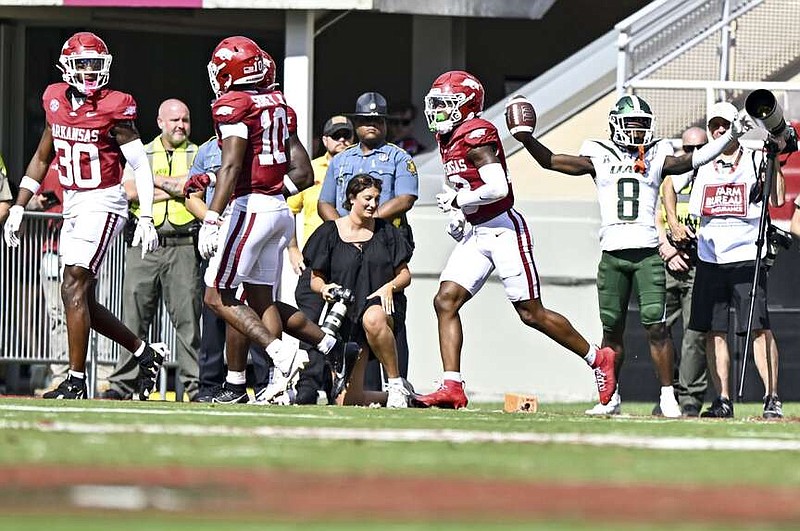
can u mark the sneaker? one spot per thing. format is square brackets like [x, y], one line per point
[691, 410]
[669, 406]
[773, 409]
[284, 375]
[342, 358]
[399, 395]
[112, 394]
[604, 375]
[613, 407]
[270, 396]
[721, 408]
[69, 389]
[231, 394]
[450, 395]
[150, 362]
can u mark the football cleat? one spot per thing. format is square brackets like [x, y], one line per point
[150, 362]
[69, 389]
[613, 407]
[450, 395]
[231, 394]
[342, 358]
[604, 375]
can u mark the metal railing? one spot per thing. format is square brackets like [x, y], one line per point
[32, 321]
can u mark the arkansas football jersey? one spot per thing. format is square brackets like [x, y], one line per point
[267, 119]
[627, 198]
[87, 156]
[462, 174]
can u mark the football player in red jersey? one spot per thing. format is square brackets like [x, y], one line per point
[491, 234]
[90, 132]
[263, 161]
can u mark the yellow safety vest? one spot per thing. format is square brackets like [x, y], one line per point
[682, 207]
[176, 165]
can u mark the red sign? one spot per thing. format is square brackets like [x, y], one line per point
[724, 200]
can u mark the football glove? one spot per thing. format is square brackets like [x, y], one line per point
[11, 228]
[146, 235]
[208, 235]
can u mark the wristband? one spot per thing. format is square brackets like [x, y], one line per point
[211, 217]
[290, 186]
[29, 184]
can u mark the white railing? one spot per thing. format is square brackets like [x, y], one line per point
[32, 322]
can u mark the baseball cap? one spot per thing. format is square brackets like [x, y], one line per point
[371, 104]
[722, 109]
[337, 123]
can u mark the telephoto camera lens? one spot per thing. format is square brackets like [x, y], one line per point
[334, 319]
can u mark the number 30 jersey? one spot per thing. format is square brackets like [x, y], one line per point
[87, 157]
[627, 198]
[266, 116]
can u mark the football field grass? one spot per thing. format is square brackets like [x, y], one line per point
[355, 468]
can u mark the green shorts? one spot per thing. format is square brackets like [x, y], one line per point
[616, 274]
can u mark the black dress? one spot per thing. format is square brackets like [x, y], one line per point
[362, 267]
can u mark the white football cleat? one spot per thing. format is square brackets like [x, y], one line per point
[613, 407]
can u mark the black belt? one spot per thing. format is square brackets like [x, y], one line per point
[175, 240]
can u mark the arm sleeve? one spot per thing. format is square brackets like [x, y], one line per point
[406, 179]
[137, 159]
[495, 187]
[328, 191]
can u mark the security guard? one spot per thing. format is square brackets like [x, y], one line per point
[395, 168]
[172, 271]
[680, 267]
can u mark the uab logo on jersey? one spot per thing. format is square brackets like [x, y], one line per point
[620, 168]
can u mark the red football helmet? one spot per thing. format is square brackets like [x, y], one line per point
[85, 62]
[239, 61]
[454, 97]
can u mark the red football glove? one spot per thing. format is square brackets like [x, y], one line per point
[199, 182]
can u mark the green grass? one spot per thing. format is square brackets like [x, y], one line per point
[523, 461]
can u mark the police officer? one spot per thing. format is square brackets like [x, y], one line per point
[173, 270]
[395, 168]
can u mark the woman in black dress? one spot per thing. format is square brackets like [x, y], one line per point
[368, 256]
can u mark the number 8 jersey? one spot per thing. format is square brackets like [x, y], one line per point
[87, 157]
[627, 198]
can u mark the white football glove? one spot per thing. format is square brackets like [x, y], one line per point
[208, 235]
[741, 124]
[146, 235]
[11, 228]
[458, 225]
[444, 200]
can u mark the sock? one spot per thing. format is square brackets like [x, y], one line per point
[274, 350]
[451, 375]
[326, 344]
[236, 377]
[591, 355]
[138, 351]
[76, 374]
[395, 382]
[667, 390]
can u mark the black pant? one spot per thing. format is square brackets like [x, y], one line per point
[316, 375]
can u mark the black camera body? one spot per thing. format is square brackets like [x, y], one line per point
[342, 299]
[776, 239]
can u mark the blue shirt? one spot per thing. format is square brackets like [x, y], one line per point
[208, 158]
[389, 163]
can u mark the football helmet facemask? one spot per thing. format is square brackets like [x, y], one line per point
[631, 122]
[85, 62]
[239, 61]
[454, 97]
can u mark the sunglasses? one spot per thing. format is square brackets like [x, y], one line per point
[342, 134]
[690, 148]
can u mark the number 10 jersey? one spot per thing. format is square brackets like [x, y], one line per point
[627, 198]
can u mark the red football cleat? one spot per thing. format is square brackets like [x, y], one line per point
[450, 395]
[604, 374]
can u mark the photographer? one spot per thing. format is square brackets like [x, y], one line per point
[728, 198]
[368, 256]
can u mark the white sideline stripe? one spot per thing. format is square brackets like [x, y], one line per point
[415, 435]
[257, 411]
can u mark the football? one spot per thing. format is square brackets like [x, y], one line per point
[520, 115]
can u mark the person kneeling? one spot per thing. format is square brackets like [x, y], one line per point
[368, 256]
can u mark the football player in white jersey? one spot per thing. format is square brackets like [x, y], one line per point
[628, 171]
